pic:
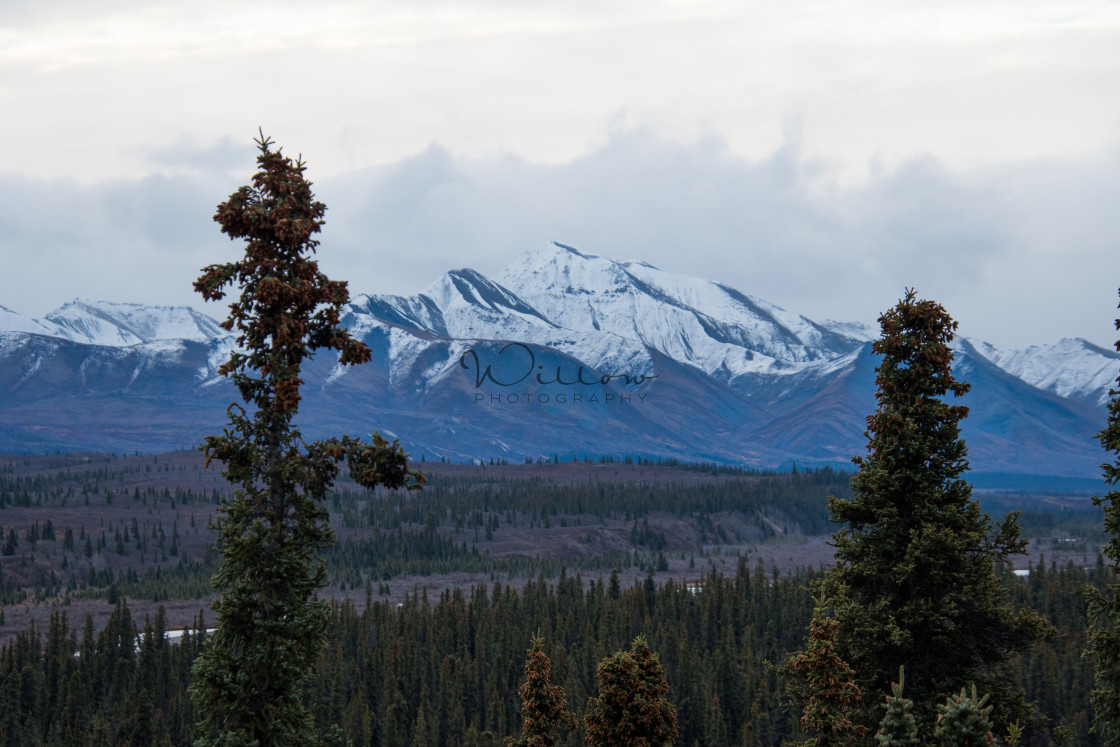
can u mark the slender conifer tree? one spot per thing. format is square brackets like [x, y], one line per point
[544, 711]
[1104, 606]
[826, 684]
[248, 682]
[915, 581]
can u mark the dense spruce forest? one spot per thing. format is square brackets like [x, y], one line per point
[82, 530]
[437, 593]
[446, 671]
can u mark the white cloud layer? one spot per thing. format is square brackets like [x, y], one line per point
[820, 155]
[1019, 253]
[88, 88]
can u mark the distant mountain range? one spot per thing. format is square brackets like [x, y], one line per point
[562, 354]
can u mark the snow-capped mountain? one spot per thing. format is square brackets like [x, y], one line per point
[563, 352]
[116, 324]
[705, 324]
[10, 321]
[1073, 368]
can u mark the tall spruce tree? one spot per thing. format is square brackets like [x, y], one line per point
[915, 581]
[248, 681]
[1104, 607]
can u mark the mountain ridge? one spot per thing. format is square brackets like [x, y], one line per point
[563, 352]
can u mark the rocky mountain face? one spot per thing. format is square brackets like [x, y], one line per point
[562, 354]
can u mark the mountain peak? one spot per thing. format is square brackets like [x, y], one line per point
[1072, 367]
[699, 322]
[722, 374]
[573, 250]
[122, 324]
[558, 269]
[472, 305]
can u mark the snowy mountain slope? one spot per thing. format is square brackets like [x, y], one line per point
[744, 320]
[1011, 422]
[415, 313]
[715, 328]
[117, 324]
[465, 305]
[562, 353]
[10, 321]
[473, 307]
[855, 330]
[461, 303]
[1073, 368]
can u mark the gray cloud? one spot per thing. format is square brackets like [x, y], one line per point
[1020, 253]
[993, 245]
[142, 240]
[85, 85]
[221, 157]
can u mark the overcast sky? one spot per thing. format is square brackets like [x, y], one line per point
[820, 155]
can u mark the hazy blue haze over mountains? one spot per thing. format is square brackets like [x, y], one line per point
[694, 370]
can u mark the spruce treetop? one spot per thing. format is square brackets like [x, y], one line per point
[287, 308]
[544, 714]
[633, 706]
[248, 682]
[915, 579]
[898, 727]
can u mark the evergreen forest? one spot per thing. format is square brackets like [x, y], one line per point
[435, 598]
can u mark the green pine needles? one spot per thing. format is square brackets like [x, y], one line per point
[544, 714]
[915, 580]
[826, 684]
[964, 721]
[248, 681]
[898, 727]
[633, 708]
[1104, 608]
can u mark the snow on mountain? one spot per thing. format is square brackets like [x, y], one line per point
[789, 336]
[154, 332]
[80, 322]
[698, 322]
[10, 321]
[731, 377]
[465, 305]
[606, 314]
[122, 324]
[474, 307]
[855, 330]
[1073, 368]
[419, 313]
